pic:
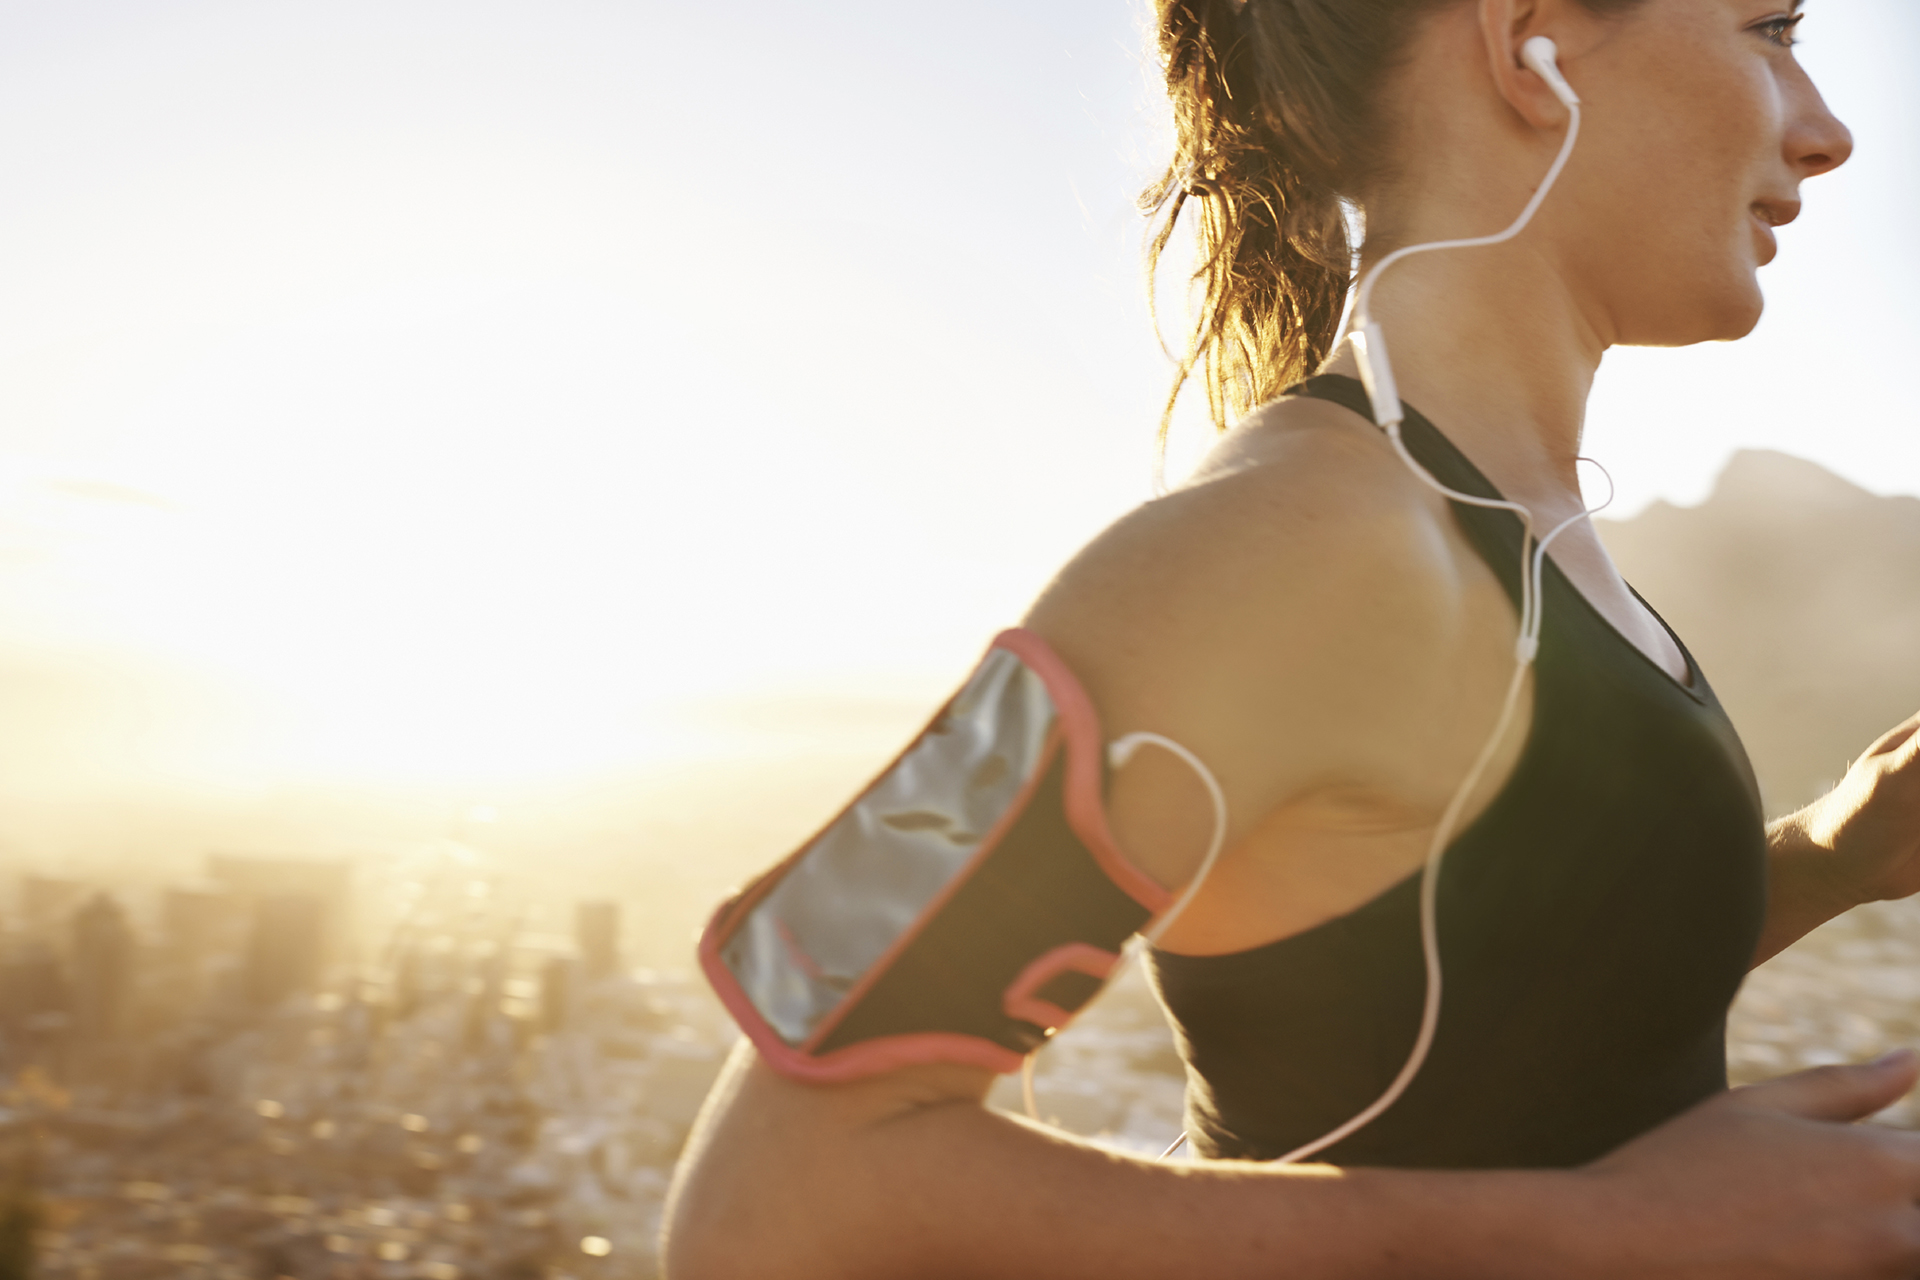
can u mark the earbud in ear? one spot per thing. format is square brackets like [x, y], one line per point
[1542, 57]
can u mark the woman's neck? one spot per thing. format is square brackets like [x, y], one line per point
[1491, 345]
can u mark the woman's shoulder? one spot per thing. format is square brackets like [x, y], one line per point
[1302, 504]
[1295, 613]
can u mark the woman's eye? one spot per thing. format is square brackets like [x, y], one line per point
[1780, 30]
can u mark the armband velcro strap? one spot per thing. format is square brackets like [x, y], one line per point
[961, 909]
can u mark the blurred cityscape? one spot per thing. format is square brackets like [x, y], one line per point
[261, 1075]
[245, 1079]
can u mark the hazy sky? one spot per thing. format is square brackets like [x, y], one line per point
[457, 383]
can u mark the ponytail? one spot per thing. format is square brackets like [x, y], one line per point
[1275, 132]
[1274, 261]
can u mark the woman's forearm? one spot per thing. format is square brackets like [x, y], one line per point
[778, 1185]
[783, 1181]
[1858, 843]
[975, 1194]
[1803, 887]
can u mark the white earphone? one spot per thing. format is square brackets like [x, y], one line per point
[1542, 57]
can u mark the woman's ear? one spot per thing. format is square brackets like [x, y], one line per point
[1505, 27]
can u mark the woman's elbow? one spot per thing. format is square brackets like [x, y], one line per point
[709, 1229]
[762, 1188]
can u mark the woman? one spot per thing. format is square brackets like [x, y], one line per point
[1334, 638]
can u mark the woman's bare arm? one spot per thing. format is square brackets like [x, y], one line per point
[1858, 843]
[909, 1176]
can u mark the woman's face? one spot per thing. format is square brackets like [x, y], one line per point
[1699, 128]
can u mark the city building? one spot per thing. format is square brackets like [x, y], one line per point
[102, 966]
[596, 931]
[287, 947]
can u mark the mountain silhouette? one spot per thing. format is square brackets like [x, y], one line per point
[1799, 594]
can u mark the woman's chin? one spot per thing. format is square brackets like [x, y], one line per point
[1744, 316]
[1726, 318]
[1741, 307]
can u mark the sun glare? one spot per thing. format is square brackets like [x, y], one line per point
[478, 423]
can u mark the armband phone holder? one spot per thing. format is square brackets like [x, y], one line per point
[961, 909]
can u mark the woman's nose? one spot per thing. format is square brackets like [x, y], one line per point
[1817, 143]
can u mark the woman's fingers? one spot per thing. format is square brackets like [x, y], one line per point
[1838, 1093]
[1909, 741]
[1905, 734]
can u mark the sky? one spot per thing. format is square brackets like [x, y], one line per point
[419, 389]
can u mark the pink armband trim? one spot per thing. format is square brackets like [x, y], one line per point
[1021, 1000]
[1086, 806]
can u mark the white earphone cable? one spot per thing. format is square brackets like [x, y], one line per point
[1362, 302]
[1119, 751]
[1371, 351]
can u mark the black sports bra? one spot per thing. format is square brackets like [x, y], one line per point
[1595, 922]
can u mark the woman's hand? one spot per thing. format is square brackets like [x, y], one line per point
[1858, 843]
[1870, 823]
[1770, 1182]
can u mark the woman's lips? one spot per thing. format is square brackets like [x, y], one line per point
[1763, 234]
[1768, 214]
